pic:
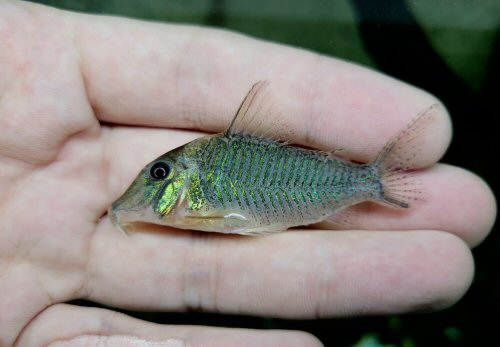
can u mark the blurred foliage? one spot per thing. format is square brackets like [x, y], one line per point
[448, 47]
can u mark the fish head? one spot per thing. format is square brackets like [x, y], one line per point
[155, 192]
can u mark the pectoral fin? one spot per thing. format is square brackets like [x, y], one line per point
[218, 221]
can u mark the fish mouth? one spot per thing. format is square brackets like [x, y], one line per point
[123, 218]
[116, 217]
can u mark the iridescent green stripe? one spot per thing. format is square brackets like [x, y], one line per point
[260, 162]
[236, 154]
[291, 173]
[245, 170]
[267, 210]
[284, 170]
[300, 211]
[215, 168]
[276, 179]
[266, 166]
[302, 173]
[258, 206]
[325, 174]
[271, 168]
[236, 149]
[313, 174]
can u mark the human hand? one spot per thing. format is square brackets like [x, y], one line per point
[86, 101]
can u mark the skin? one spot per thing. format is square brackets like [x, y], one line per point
[86, 101]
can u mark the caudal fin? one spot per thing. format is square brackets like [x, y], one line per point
[396, 160]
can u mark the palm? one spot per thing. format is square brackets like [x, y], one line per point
[55, 194]
[61, 168]
[53, 185]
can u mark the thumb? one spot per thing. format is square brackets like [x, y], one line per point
[64, 325]
[115, 341]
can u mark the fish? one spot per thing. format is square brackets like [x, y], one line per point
[245, 181]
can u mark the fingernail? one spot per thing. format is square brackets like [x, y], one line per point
[116, 341]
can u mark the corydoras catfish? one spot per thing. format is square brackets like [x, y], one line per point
[244, 182]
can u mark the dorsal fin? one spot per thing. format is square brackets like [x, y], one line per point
[257, 117]
[246, 113]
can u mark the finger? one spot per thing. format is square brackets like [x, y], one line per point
[453, 200]
[72, 326]
[446, 191]
[38, 62]
[327, 273]
[191, 77]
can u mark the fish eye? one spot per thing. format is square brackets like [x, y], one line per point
[159, 170]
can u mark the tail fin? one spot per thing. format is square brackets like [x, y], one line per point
[397, 158]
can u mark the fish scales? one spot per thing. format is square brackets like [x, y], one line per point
[243, 182]
[292, 173]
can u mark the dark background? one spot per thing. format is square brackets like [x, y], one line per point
[450, 48]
